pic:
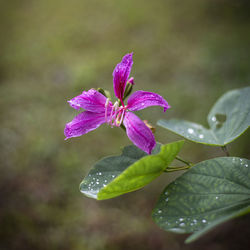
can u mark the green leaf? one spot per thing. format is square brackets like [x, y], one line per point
[210, 193]
[116, 175]
[228, 119]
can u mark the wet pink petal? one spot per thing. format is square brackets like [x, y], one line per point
[83, 123]
[90, 100]
[139, 133]
[143, 99]
[121, 74]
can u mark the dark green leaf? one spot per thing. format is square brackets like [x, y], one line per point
[228, 119]
[116, 175]
[208, 194]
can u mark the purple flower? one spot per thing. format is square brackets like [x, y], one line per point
[99, 109]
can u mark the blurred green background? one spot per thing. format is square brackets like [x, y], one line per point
[190, 52]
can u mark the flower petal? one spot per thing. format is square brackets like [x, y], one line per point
[139, 133]
[83, 123]
[90, 100]
[142, 99]
[121, 74]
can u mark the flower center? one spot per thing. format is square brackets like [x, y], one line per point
[115, 117]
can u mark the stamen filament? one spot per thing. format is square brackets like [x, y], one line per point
[106, 109]
[121, 119]
[113, 114]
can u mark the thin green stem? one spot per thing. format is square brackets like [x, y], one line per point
[172, 169]
[224, 149]
[183, 161]
[123, 127]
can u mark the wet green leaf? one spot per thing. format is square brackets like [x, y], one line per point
[208, 194]
[228, 119]
[116, 175]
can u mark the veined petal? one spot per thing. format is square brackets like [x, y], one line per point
[121, 74]
[90, 100]
[139, 133]
[83, 123]
[142, 99]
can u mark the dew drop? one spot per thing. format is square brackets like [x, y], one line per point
[213, 119]
[182, 224]
[167, 199]
[159, 211]
[246, 165]
[97, 182]
[190, 131]
[181, 219]
[204, 221]
[195, 221]
[216, 197]
[201, 136]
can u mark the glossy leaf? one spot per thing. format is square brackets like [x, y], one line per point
[116, 175]
[208, 194]
[228, 119]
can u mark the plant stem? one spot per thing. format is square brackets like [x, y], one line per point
[224, 148]
[186, 162]
[123, 127]
[171, 169]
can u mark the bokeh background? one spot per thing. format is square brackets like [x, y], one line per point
[190, 52]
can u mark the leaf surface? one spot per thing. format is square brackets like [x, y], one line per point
[228, 119]
[116, 175]
[211, 192]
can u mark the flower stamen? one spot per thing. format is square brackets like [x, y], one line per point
[106, 109]
[114, 111]
[120, 116]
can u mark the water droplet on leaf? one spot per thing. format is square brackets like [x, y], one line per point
[190, 131]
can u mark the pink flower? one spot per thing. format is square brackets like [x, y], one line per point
[99, 109]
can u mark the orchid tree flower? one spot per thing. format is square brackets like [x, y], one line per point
[99, 109]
